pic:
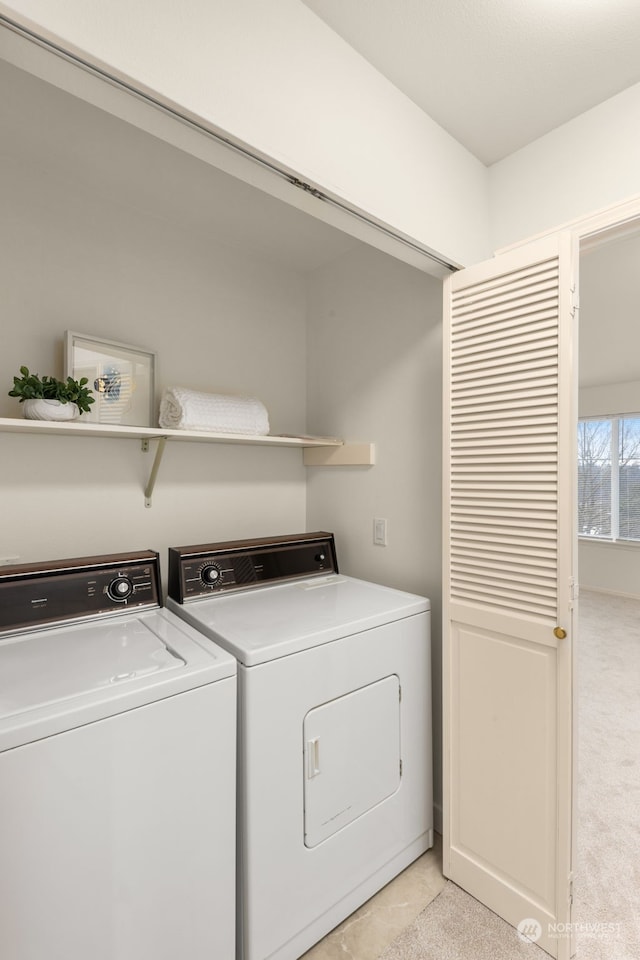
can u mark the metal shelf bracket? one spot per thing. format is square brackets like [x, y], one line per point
[157, 460]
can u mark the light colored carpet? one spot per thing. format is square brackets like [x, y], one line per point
[606, 918]
[607, 887]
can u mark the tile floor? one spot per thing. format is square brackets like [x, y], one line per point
[367, 932]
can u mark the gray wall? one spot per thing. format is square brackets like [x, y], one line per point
[375, 373]
[114, 234]
[111, 233]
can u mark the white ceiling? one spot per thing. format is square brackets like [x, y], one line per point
[496, 74]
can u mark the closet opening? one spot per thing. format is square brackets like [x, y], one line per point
[608, 646]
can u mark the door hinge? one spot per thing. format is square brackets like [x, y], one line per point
[575, 302]
[574, 590]
[401, 768]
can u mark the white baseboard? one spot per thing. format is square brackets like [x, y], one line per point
[610, 593]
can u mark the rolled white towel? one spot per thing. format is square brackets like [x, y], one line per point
[183, 409]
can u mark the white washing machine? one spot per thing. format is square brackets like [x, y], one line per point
[117, 769]
[334, 694]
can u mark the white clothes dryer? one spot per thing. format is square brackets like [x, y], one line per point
[334, 694]
[117, 769]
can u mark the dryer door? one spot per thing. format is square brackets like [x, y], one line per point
[351, 757]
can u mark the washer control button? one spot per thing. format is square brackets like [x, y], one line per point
[210, 574]
[120, 589]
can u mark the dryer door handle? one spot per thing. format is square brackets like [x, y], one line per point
[313, 758]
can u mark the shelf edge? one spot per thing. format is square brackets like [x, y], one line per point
[87, 429]
[347, 455]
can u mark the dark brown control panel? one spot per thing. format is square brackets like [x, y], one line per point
[203, 569]
[34, 595]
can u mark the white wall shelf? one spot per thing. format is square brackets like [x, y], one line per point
[349, 454]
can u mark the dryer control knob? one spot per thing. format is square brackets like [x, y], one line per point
[211, 574]
[120, 589]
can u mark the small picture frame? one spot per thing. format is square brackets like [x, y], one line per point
[121, 376]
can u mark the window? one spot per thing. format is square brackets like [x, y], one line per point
[609, 478]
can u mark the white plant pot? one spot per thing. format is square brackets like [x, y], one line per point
[50, 410]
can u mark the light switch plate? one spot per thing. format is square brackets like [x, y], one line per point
[380, 531]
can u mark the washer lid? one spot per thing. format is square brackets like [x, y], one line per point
[59, 678]
[261, 625]
[43, 668]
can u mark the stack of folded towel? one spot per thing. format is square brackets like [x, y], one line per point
[182, 409]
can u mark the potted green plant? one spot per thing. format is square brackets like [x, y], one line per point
[47, 398]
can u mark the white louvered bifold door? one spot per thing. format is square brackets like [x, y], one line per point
[510, 462]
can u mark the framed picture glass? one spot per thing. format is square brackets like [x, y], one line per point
[122, 378]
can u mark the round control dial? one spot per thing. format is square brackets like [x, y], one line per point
[120, 589]
[210, 574]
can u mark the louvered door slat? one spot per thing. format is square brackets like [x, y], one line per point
[473, 480]
[484, 461]
[498, 355]
[534, 429]
[507, 346]
[514, 280]
[504, 473]
[538, 372]
[537, 376]
[514, 322]
[527, 524]
[536, 301]
[511, 320]
[464, 531]
[504, 441]
[484, 493]
[549, 413]
[481, 551]
[541, 610]
[523, 589]
[516, 290]
[539, 393]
